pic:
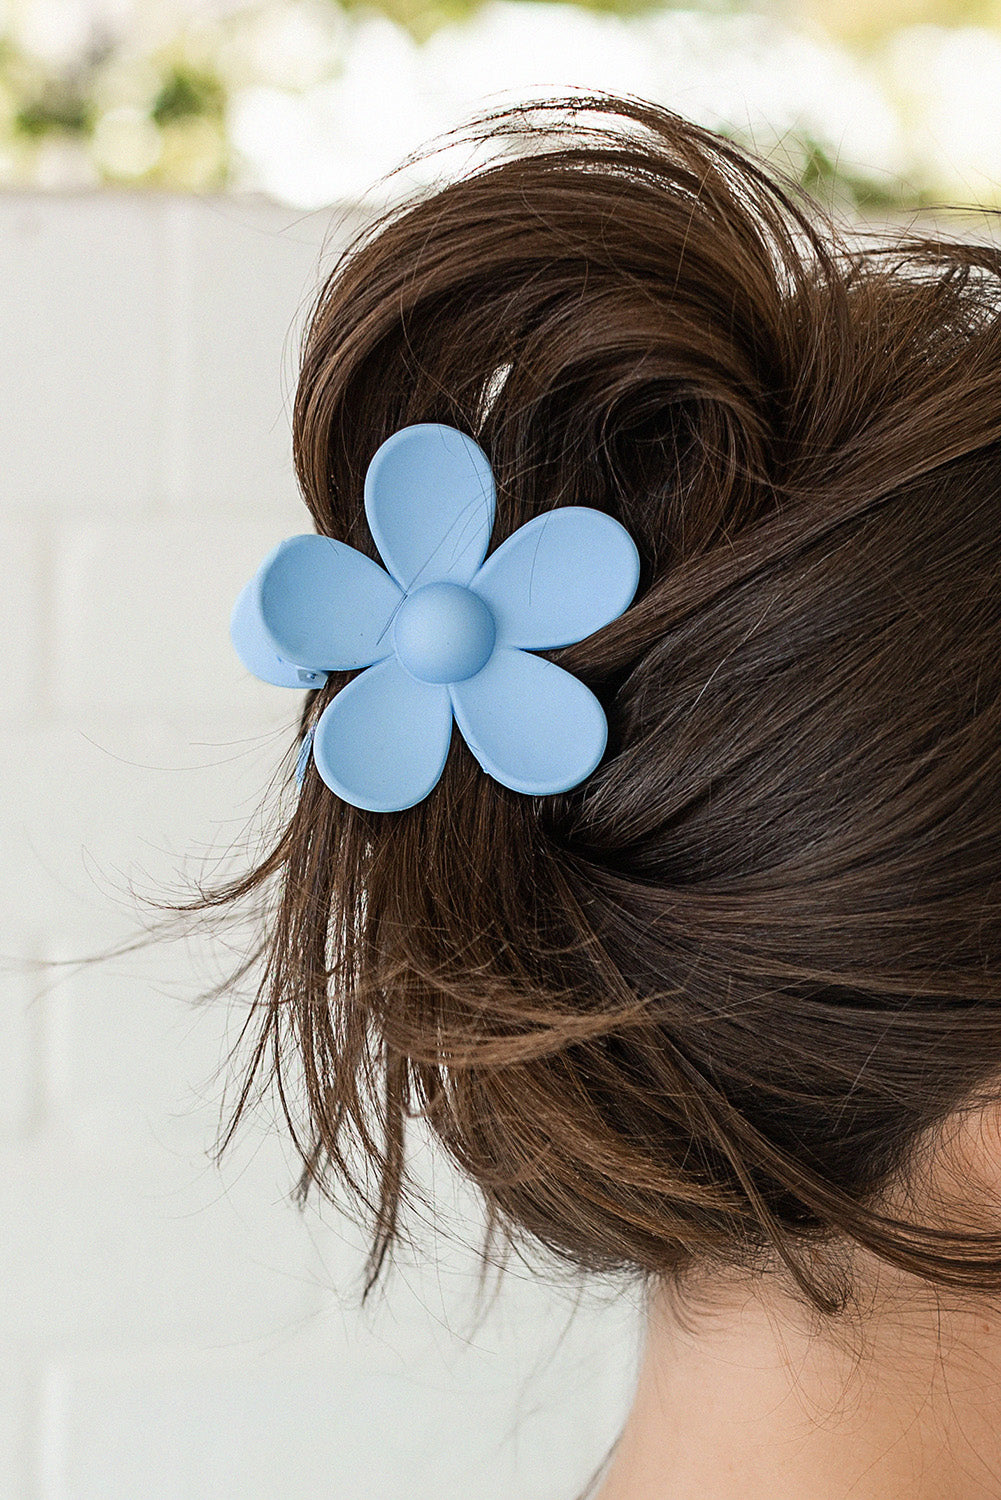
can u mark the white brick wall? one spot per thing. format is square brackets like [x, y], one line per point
[170, 1330]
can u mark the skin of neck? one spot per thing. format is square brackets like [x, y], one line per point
[757, 1398]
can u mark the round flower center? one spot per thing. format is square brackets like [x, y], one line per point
[443, 633]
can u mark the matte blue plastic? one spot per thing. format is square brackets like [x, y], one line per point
[253, 645]
[326, 605]
[532, 726]
[429, 499]
[443, 633]
[447, 635]
[559, 577]
[381, 743]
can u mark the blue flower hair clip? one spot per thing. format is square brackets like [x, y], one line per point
[441, 633]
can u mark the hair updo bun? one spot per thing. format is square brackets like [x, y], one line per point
[708, 1010]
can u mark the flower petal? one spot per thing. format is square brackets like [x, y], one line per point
[559, 577]
[532, 726]
[253, 647]
[325, 605]
[430, 500]
[381, 743]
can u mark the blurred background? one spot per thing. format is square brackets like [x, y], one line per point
[894, 101]
[175, 182]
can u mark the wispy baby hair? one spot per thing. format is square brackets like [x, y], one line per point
[712, 1009]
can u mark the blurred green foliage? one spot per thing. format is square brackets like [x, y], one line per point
[45, 103]
[186, 92]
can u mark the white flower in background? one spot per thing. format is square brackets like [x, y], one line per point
[753, 75]
[159, 103]
[334, 140]
[194, 153]
[516, 48]
[947, 85]
[61, 33]
[126, 143]
[288, 44]
[745, 73]
[508, 52]
[284, 45]
[129, 79]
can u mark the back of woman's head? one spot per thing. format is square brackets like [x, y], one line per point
[717, 1007]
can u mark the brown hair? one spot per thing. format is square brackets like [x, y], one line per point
[710, 1009]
